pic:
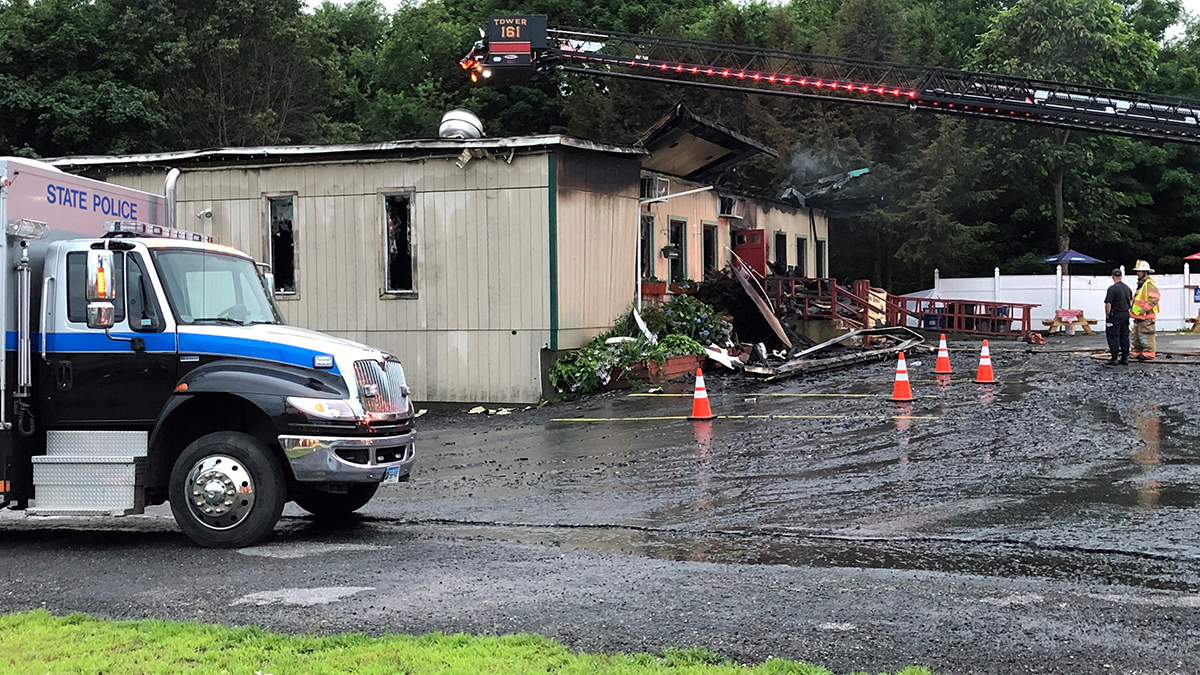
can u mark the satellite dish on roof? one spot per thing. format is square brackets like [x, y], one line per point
[460, 124]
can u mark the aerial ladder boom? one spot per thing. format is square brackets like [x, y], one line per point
[520, 48]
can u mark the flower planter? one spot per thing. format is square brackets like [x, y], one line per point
[651, 373]
[652, 290]
[678, 289]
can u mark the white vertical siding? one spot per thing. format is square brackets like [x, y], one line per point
[475, 329]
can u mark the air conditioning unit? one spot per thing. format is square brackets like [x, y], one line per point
[732, 207]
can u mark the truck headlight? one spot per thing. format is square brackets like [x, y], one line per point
[324, 408]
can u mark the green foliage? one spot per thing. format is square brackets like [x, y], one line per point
[688, 316]
[37, 643]
[586, 369]
[115, 76]
[682, 326]
[683, 315]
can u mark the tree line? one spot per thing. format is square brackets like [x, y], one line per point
[962, 195]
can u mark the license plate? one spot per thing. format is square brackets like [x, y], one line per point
[392, 475]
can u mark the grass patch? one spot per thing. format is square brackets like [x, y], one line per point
[38, 643]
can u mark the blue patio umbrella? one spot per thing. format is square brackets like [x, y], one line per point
[1066, 258]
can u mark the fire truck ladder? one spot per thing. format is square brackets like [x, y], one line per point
[940, 90]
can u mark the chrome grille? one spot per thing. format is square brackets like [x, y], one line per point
[381, 386]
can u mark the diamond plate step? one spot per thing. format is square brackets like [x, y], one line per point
[96, 443]
[88, 485]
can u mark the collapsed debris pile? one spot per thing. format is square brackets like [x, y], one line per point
[792, 354]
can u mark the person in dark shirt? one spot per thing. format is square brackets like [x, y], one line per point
[1116, 312]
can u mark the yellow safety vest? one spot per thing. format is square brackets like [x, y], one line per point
[1145, 301]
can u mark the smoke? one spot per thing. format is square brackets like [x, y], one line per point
[808, 165]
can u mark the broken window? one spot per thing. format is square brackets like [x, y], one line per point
[801, 257]
[821, 274]
[781, 252]
[646, 188]
[647, 245]
[398, 272]
[283, 243]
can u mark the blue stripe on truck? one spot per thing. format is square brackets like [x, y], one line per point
[207, 345]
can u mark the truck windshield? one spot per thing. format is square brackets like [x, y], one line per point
[206, 287]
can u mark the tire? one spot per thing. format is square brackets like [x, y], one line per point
[227, 490]
[332, 504]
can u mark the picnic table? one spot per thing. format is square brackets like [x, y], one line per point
[1068, 319]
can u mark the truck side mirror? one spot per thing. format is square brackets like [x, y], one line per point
[268, 277]
[101, 289]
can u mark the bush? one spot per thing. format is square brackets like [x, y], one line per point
[597, 363]
[685, 315]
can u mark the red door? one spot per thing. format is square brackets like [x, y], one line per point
[751, 246]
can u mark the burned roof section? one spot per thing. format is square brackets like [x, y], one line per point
[691, 147]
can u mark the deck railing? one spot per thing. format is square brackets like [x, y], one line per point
[861, 306]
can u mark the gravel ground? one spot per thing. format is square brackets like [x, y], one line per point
[1048, 524]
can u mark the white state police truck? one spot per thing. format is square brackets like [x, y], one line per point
[144, 364]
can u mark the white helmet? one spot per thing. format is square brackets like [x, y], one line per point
[1142, 266]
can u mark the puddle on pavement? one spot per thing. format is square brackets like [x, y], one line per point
[986, 559]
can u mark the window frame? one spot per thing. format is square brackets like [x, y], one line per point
[683, 248]
[649, 253]
[296, 239]
[715, 228]
[145, 269]
[780, 234]
[802, 256]
[381, 196]
[821, 253]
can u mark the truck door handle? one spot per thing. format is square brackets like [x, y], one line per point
[47, 312]
[65, 379]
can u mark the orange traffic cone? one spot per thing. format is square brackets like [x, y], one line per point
[943, 360]
[700, 408]
[985, 376]
[901, 391]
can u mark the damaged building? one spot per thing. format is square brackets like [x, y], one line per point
[474, 261]
[689, 236]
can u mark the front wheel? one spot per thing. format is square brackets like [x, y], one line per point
[333, 504]
[227, 490]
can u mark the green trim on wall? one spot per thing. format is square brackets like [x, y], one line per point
[553, 189]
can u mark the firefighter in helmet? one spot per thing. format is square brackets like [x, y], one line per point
[1143, 312]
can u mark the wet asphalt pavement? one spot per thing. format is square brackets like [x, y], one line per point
[1047, 524]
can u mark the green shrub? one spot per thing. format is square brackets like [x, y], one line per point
[685, 315]
[597, 363]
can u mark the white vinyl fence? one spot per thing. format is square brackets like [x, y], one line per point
[1180, 299]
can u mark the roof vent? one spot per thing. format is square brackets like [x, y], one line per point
[460, 124]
